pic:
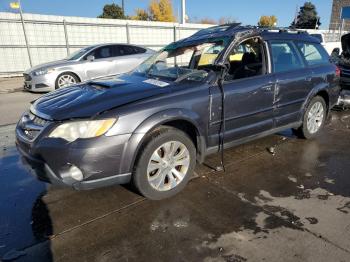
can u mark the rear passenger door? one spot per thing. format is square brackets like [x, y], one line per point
[293, 81]
[127, 58]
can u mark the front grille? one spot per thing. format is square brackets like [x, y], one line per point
[27, 77]
[345, 72]
[31, 125]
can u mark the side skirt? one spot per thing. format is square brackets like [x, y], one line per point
[215, 149]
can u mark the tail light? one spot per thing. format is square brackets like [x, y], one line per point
[337, 71]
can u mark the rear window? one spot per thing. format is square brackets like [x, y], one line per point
[314, 54]
[284, 57]
[131, 50]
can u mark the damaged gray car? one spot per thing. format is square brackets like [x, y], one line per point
[219, 88]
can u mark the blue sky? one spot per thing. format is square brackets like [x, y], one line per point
[247, 12]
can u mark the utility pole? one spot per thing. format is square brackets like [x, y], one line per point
[123, 7]
[183, 11]
[25, 33]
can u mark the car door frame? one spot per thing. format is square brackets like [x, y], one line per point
[107, 59]
[234, 133]
[288, 112]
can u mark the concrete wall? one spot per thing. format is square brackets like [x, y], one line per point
[54, 37]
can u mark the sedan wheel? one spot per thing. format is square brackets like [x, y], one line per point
[66, 80]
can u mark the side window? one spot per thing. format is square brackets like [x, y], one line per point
[127, 50]
[314, 54]
[246, 60]
[101, 52]
[284, 57]
[139, 50]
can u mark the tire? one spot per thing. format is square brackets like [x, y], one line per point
[313, 124]
[156, 167]
[72, 78]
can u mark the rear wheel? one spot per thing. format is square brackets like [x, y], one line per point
[314, 118]
[65, 80]
[165, 164]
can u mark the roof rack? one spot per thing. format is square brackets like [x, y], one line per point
[217, 29]
[283, 30]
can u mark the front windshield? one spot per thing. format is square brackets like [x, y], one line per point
[178, 62]
[77, 54]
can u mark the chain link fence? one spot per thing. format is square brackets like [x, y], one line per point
[52, 38]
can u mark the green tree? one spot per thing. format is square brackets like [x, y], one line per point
[307, 17]
[112, 11]
[161, 10]
[267, 21]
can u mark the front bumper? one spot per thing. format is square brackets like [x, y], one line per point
[42, 83]
[99, 159]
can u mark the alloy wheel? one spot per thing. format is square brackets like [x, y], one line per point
[66, 80]
[168, 165]
[315, 117]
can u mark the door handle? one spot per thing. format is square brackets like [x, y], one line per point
[308, 78]
[267, 88]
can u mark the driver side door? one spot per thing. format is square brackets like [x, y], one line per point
[248, 105]
[102, 65]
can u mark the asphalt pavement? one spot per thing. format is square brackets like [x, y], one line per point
[291, 203]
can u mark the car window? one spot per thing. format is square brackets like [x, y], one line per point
[314, 54]
[130, 50]
[101, 52]
[284, 57]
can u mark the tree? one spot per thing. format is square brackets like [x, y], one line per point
[268, 21]
[307, 17]
[112, 11]
[141, 14]
[161, 10]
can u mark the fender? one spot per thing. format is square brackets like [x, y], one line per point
[320, 87]
[137, 138]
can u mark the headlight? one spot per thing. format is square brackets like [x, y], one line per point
[43, 72]
[82, 129]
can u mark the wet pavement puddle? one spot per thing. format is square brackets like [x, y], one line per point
[291, 203]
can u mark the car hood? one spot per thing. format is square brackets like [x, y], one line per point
[48, 65]
[94, 97]
[345, 43]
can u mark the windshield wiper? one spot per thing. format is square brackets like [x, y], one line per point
[185, 76]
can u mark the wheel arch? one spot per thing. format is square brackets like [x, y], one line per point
[68, 72]
[177, 118]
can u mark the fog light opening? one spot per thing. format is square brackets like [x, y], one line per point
[73, 173]
[76, 173]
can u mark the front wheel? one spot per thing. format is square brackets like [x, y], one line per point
[165, 164]
[65, 80]
[314, 118]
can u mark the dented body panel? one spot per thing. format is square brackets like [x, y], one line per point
[254, 107]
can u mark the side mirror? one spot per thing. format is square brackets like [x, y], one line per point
[90, 58]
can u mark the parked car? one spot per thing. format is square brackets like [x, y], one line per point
[85, 64]
[328, 45]
[152, 125]
[342, 59]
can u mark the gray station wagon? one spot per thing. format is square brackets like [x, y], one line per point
[221, 87]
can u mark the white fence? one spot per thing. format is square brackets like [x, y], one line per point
[54, 37]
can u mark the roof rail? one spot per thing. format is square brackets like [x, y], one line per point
[217, 29]
[284, 30]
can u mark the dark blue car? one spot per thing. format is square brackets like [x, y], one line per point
[221, 87]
